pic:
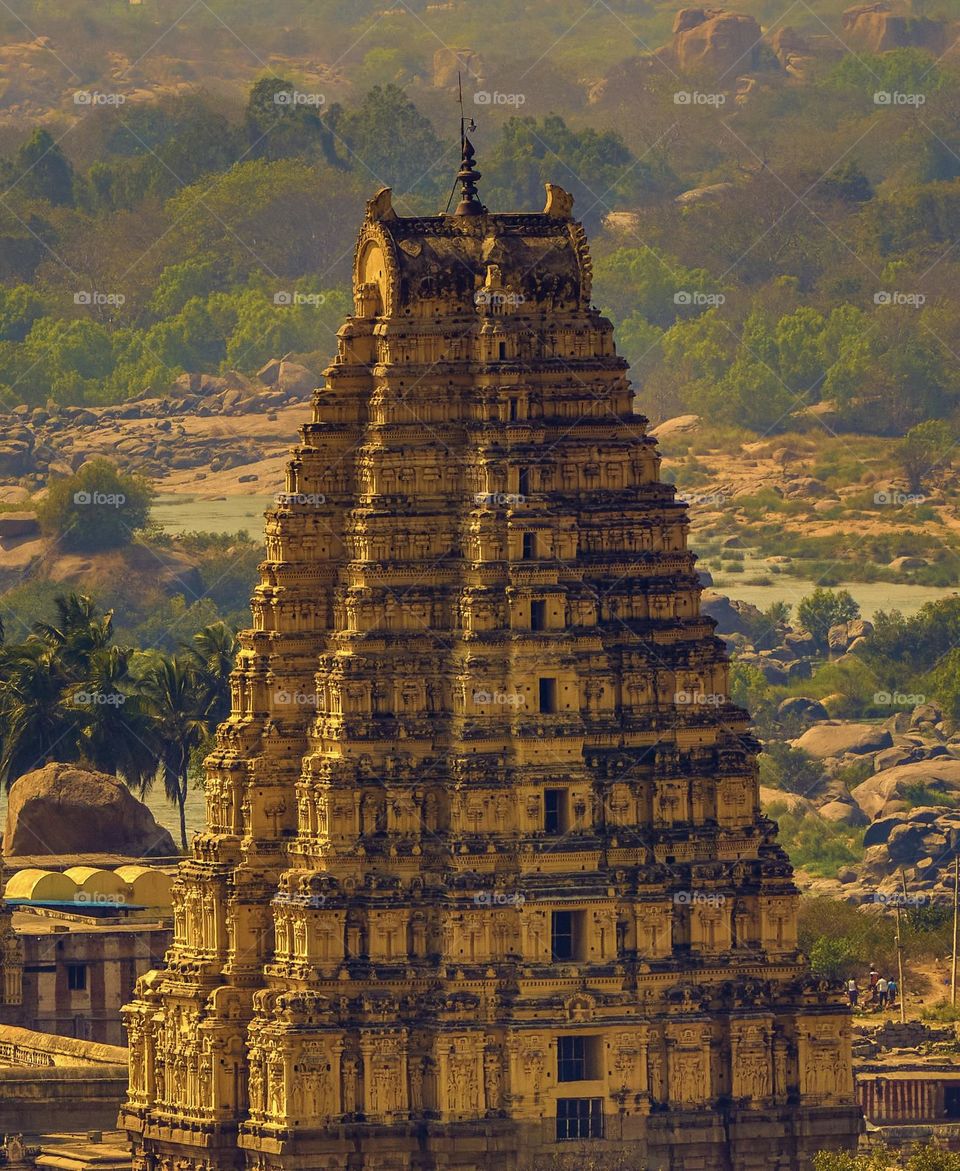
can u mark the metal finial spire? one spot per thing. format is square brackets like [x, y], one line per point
[468, 174]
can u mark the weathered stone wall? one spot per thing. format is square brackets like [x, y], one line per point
[58, 1083]
[36, 1101]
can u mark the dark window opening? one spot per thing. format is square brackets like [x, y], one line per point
[579, 1118]
[561, 935]
[555, 811]
[572, 1059]
[503, 349]
[513, 402]
[77, 977]
[538, 614]
[523, 486]
[951, 1101]
[529, 551]
[548, 696]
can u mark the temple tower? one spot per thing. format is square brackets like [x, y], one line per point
[11, 962]
[484, 885]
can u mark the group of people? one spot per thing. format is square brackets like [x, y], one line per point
[882, 992]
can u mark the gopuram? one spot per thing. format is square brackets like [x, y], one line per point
[484, 884]
[11, 963]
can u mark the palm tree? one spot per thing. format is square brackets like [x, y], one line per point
[116, 730]
[176, 698]
[212, 652]
[78, 632]
[36, 725]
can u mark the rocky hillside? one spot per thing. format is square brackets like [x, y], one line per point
[205, 424]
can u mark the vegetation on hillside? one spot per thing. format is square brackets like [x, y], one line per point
[799, 283]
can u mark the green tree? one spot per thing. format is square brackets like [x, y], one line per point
[96, 508]
[907, 71]
[35, 727]
[752, 395]
[160, 152]
[66, 695]
[176, 697]
[297, 215]
[20, 307]
[750, 690]
[278, 126]
[833, 958]
[77, 632]
[596, 167]
[933, 1157]
[212, 651]
[387, 141]
[791, 769]
[114, 726]
[179, 283]
[924, 452]
[43, 170]
[638, 280]
[878, 1160]
[190, 340]
[61, 358]
[818, 611]
[848, 183]
[800, 351]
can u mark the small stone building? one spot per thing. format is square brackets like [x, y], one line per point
[908, 1083]
[79, 971]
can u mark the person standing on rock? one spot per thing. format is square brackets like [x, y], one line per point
[853, 992]
[882, 987]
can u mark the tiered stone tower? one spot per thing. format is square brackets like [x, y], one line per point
[11, 962]
[484, 885]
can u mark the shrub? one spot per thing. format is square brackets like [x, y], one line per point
[822, 609]
[96, 508]
[791, 769]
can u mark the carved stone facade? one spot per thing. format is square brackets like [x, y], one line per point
[11, 965]
[480, 887]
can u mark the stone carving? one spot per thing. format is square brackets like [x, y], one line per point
[491, 825]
